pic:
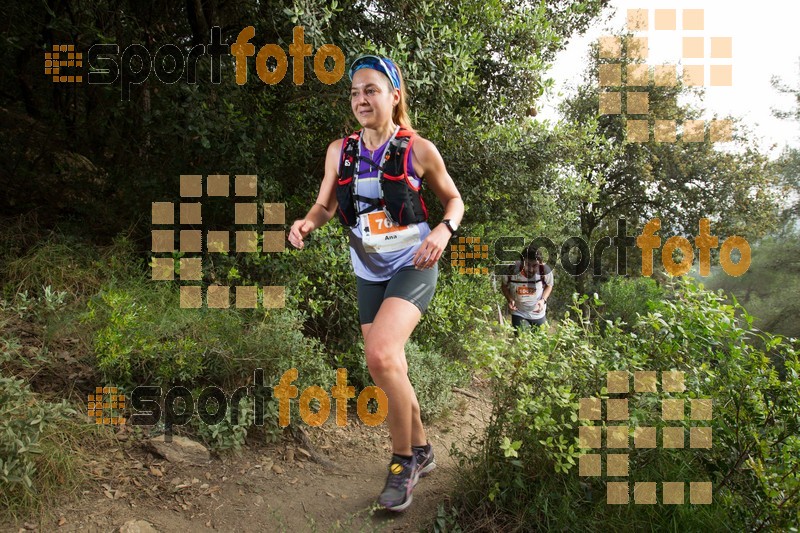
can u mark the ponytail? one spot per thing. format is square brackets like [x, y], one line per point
[400, 111]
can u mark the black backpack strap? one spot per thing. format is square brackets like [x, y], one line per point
[541, 275]
[394, 161]
[347, 165]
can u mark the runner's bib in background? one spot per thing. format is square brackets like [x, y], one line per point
[380, 234]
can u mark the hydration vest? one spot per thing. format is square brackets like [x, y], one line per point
[401, 199]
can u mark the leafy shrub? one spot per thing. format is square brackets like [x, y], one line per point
[226, 434]
[624, 298]
[36, 307]
[453, 311]
[142, 337]
[433, 377]
[523, 471]
[133, 343]
[319, 283]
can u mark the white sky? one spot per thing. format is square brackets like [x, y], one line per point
[766, 42]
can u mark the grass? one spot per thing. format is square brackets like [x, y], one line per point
[66, 448]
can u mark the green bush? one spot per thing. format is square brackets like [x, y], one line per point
[433, 377]
[523, 471]
[135, 343]
[226, 435]
[458, 300]
[319, 283]
[623, 298]
[141, 336]
[23, 419]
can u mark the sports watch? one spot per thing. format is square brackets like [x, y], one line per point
[453, 227]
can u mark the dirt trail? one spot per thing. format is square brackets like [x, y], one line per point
[266, 488]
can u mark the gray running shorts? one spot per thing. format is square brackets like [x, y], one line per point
[408, 283]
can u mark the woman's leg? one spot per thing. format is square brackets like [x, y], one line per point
[384, 343]
[418, 437]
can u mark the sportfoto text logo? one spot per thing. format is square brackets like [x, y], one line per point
[106, 406]
[467, 253]
[169, 64]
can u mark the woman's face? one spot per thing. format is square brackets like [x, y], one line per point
[371, 98]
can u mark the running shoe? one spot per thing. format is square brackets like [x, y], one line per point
[403, 475]
[425, 459]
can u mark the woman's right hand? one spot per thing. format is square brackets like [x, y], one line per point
[298, 232]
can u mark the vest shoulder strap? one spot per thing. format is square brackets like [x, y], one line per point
[347, 164]
[394, 163]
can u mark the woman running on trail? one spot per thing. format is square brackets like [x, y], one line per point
[372, 183]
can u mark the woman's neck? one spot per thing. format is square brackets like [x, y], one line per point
[373, 138]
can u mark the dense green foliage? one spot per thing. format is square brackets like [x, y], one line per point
[467, 68]
[22, 420]
[528, 458]
[624, 298]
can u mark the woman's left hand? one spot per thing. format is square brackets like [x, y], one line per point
[432, 247]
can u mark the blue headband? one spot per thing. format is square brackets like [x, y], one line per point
[381, 64]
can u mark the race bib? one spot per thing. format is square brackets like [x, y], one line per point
[380, 234]
[526, 297]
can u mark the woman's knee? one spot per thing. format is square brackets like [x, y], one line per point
[381, 359]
